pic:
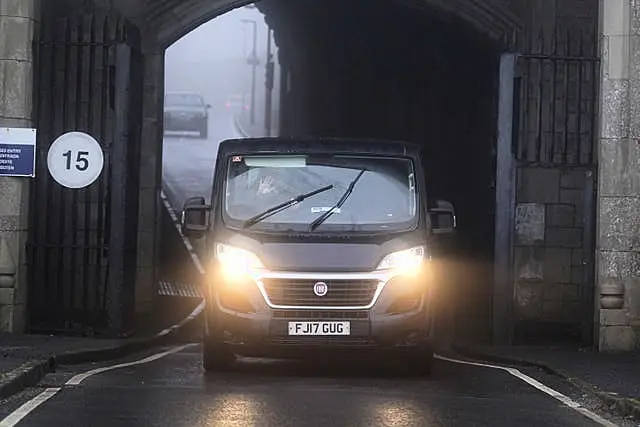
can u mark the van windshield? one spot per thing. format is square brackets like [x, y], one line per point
[383, 198]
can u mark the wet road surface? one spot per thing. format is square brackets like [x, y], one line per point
[174, 391]
[189, 162]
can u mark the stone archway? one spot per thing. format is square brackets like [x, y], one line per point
[163, 21]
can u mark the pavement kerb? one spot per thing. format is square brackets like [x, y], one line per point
[623, 406]
[31, 372]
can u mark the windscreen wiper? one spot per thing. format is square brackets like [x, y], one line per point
[322, 218]
[282, 206]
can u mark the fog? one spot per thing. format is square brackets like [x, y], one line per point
[212, 59]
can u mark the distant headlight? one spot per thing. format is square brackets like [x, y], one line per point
[236, 262]
[405, 261]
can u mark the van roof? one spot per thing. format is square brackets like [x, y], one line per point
[271, 145]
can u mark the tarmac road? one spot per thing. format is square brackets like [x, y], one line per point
[170, 389]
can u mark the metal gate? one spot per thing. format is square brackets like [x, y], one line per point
[550, 96]
[82, 243]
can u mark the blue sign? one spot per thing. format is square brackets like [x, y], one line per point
[17, 152]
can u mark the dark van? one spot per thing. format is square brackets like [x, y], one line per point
[316, 245]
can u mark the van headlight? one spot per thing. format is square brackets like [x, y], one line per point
[236, 262]
[405, 261]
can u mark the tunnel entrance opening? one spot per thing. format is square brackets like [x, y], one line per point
[215, 88]
[383, 70]
[213, 94]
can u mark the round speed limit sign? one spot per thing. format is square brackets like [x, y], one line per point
[75, 160]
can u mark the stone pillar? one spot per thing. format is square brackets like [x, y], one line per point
[618, 246]
[17, 24]
[150, 182]
[7, 285]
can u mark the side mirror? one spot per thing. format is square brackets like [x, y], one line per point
[208, 106]
[443, 218]
[195, 217]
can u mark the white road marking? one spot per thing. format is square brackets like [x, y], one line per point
[195, 313]
[185, 239]
[16, 416]
[538, 385]
[77, 379]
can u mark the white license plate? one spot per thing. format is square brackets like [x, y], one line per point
[319, 328]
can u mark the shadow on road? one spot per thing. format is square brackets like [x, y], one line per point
[346, 368]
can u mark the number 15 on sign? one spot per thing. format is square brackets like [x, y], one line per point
[82, 163]
[75, 160]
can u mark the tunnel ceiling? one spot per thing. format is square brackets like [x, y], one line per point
[169, 20]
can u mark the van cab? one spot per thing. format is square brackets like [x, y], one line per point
[317, 245]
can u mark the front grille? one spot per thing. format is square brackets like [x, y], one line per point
[299, 292]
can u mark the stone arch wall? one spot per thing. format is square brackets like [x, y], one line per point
[167, 20]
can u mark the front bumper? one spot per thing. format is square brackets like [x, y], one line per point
[254, 320]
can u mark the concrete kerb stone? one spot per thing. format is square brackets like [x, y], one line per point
[24, 376]
[623, 406]
[31, 372]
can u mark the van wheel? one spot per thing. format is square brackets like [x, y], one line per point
[215, 358]
[420, 362]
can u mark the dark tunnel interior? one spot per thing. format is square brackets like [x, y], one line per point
[381, 69]
[384, 70]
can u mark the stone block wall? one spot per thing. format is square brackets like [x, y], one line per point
[556, 163]
[552, 258]
[550, 265]
[17, 26]
[618, 246]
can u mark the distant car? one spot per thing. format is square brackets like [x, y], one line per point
[237, 103]
[185, 111]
